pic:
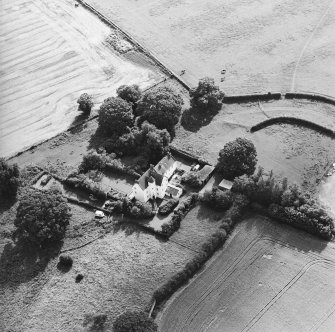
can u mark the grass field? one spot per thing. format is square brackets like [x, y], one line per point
[297, 152]
[267, 277]
[264, 45]
[51, 52]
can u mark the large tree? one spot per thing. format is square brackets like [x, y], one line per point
[161, 107]
[115, 115]
[9, 179]
[42, 217]
[85, 102]
[134, 321]
[237, 158]
[130, 93]
[206, 97]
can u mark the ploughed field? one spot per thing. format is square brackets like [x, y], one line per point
[50, 53]
[264, 45]
[268, 277]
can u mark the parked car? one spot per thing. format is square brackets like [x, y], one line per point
[99, 214]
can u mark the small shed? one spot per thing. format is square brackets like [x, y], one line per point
[173, 191]
[205, 173]
[225, 184]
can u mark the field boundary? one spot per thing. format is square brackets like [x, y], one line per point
[310, 96]
[293, 120]
[135, 42]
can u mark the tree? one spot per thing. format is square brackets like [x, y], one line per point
[130, 93]
[85, 102]
[41, 217]
[93, 160]
[9, 179]
[206, 97]
[237, 158]
[115, 115]
[134, 321]
[161, 107]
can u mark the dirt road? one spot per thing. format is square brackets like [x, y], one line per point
[268, 275]
[51, 52]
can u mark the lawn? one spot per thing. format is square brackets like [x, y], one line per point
[266, 275]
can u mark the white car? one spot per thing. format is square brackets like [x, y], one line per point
[99, 214]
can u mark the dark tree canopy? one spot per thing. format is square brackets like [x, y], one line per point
[134, 321]
[42, 217]
[93, 161]
[85, 102]
[161, 107]
[237, 158]
[115, 115]
[9, 179]
[130, 93]
[206, 97]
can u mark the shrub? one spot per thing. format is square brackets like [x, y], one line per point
[41, 217]
[168, 206]
[9, 179]
[192, 178]
[237, 158]
[65, 261]
[115, 165]
[183, 208]
[93, 161]
[131, 321]
[218, 199]
[85, 102]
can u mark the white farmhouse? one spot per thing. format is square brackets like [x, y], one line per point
[154, 182]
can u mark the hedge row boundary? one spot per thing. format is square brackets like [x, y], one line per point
[253, 97]
[188, 156]
[135, 42]
[310, 96]
[293, 120]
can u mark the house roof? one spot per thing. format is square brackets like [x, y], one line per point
[156, 172]
[225, 184]
[205, 172]
[172, 190]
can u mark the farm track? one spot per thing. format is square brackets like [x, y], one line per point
[49, 57]
[209, 291]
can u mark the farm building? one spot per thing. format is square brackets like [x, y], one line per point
[225, 184]
[173, 191]
[154, 182]
[205, 173]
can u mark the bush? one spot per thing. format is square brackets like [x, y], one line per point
[85, 102]
[41, 217]
[286, 203]
[66, 261]
[183, 208]
[192, 178]
[237, 158]
[134, 321]
[93, 161]
[115, 165]
[168, 206]
[218, 199]
[9, 179]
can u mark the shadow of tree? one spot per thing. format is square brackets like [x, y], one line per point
[22, 261]
[80, 118]
[193, 119]
[98, 139]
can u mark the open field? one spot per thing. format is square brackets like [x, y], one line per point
[121, 270]
[264, 45]
[51, 52]
[327, 193]
[267, 277]
[297, 152]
